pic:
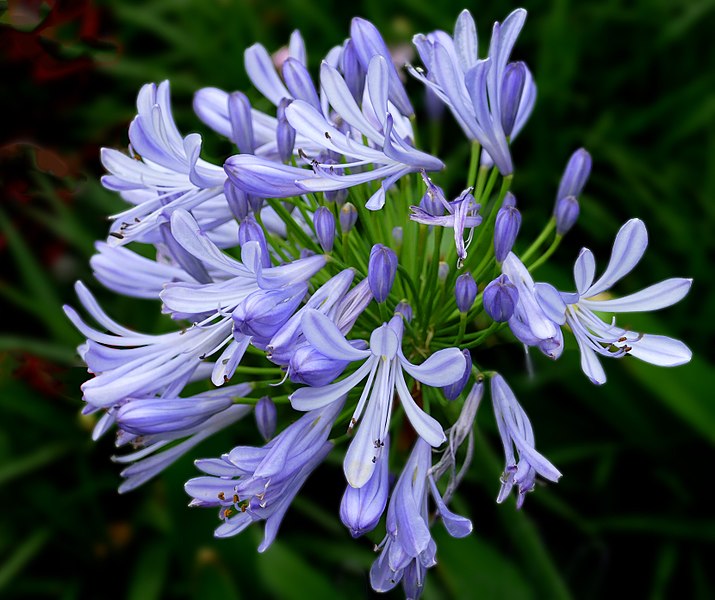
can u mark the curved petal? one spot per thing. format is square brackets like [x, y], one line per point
[551, 302]
[443, 368]
[661, 350]
[308, 398]
[262, 74]
[427, 427]
[584, 270]
[590, 364]
[630, 244]
[654, 297]
[465, 40]
[384, 342]
[327, 339]
[456, 525]
[188, 234]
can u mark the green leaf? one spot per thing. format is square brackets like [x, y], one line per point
[24, 553]
[289, 577]
[17, 467]
[472, 564]
[147, 581]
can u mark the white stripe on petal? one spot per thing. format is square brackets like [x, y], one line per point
[654, 297]
[443, 368]
[327, 339]
[308, 398]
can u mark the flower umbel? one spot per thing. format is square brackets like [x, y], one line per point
[320, 279]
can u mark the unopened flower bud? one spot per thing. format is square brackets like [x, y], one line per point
[465, 291]
[381, 271]
[500, 298]
[263, 313]
[397, 235]
[237, 200]
[250, 231]
[431, 202]
[451, 392]
[266, 417]
[348, 217]
[310, 367]
[511, 90]
[239, 114]
[566, 213]
[285, 134]
[575, 175]
[324, 223]
[405, 310]
[353, 71]
[506, 228]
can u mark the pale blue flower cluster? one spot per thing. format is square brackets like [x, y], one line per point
[343, 324]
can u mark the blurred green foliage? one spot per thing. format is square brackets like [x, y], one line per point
[632, 81]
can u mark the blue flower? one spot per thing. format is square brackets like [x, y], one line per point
[165, 428]
[163, 171]
[479, 93]
[408, 550]
[529, 322]
[383, 365]
[516, 433]
[389, 149]
[462, 213]
[252, 484]
[596, 337]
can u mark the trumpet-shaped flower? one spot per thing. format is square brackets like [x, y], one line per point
[389, 148]
[161, 163]
[596, 337]
[408, 550]
[383, 365]
[258, 484]
[490, 99]
[529, 322]
[516, 432]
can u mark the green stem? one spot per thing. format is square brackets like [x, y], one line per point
[545, 256]
[546, 232]
[473, 164]
[462, 329]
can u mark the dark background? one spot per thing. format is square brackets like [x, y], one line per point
[632, 81]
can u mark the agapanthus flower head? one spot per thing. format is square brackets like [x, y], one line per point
[275, 316]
